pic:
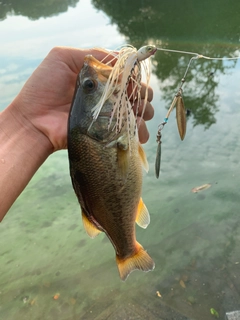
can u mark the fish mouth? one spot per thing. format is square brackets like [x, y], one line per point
[103, 71]
[154, 51]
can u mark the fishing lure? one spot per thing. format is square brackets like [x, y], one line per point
[126, 71]
[180, 117]
[178, 102]
[181, 123]
[158, 155]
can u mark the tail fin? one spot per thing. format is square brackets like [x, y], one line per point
[139, 261]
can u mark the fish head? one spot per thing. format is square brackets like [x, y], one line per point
[146, 51]
[90, 85]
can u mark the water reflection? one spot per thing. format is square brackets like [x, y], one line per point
[138, 20]
[193, 237]
[199, 90]
[170, 20]
[34, 9]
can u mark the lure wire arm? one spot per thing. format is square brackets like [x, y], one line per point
[161, 125]
[178, 96]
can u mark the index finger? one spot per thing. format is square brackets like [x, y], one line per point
[74, 57]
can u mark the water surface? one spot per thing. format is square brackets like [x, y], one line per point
[193, 237]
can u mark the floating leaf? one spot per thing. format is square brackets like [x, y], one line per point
[182, 284]
[56, 296]
[200, 188]
[158, 294]
[214, 312]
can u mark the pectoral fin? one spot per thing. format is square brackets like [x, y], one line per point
[90, 228]
[143, 157]
[143, 217]
[123, 154]
[123, 162]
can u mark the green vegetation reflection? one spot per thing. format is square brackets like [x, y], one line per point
[34, 9]
[173, 25]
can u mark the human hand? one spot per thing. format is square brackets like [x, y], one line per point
[45, 99]
[148, 114]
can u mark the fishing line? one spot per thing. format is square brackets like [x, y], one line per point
[177, 100]
[198, 55]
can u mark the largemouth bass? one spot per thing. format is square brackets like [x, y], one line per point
[106, 169]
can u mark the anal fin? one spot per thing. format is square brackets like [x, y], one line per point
[90, 228]
[138, 261]
[143, 217]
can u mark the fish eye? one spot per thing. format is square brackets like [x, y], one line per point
[89, 85]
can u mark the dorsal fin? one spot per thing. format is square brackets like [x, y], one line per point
[90, 228]
[143, 217]
[143, 157]
[101, 68]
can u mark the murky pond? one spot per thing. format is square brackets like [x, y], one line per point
[193, 237]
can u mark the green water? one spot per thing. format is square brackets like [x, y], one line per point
[193, 237]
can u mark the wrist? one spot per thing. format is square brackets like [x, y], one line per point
[22, 151]
[17, 131]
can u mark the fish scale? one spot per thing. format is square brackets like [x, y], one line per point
[117, 225]
[106, 176]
